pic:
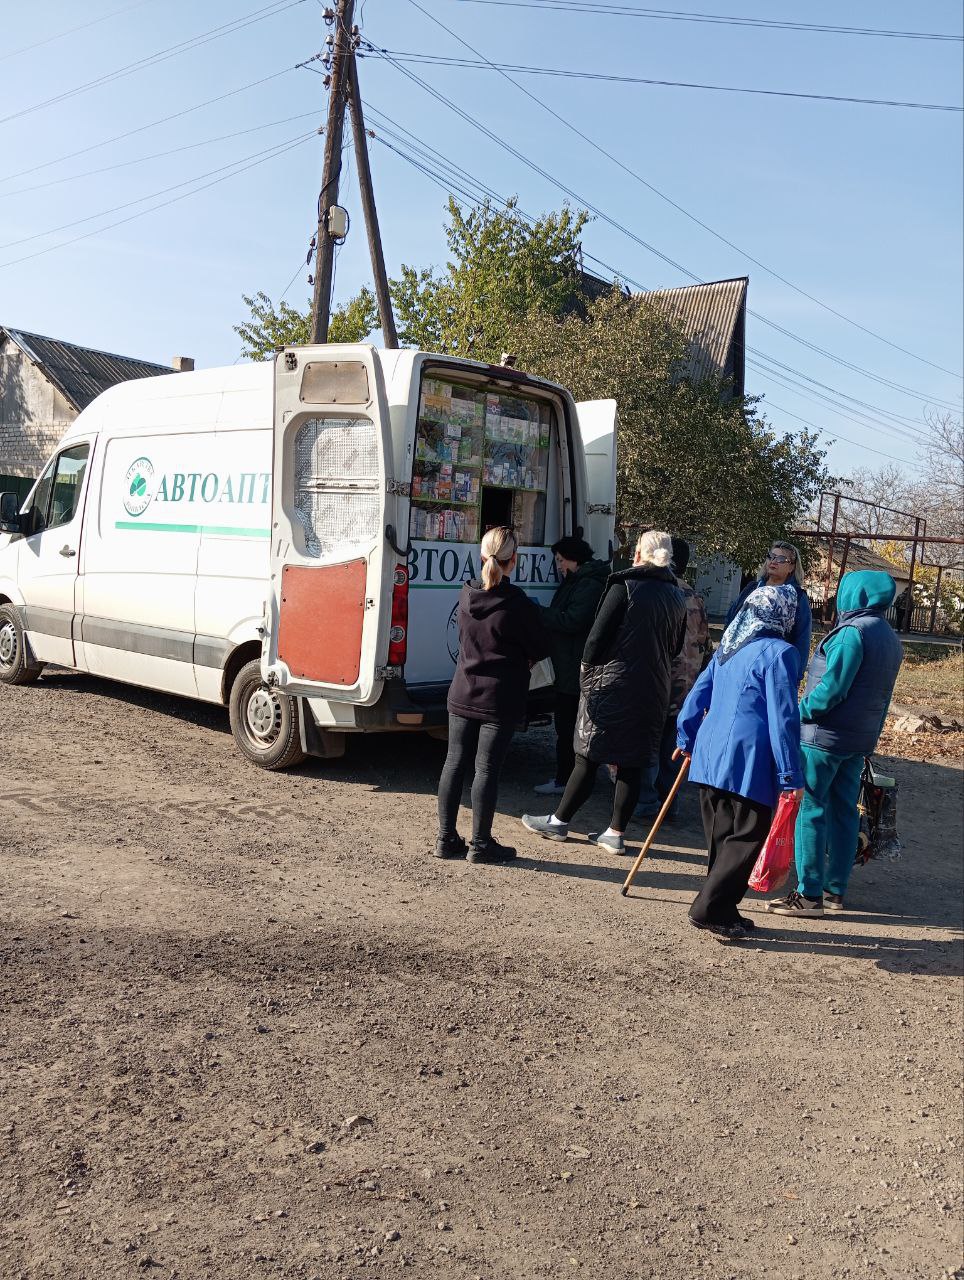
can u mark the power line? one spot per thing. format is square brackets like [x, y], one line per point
[436, 172]
[71, 31]
[439, 60]
[837, 436]
[157, 155]
[693, 218]
[152, 124]
[163, 55]
[152, 195]
[86, 235]
[719, 19]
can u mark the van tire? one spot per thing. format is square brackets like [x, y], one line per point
[16, 664]
[266, 723]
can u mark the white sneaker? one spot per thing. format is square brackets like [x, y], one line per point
[552, 788]
[614, 843]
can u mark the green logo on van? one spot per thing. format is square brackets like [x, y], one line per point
[140, 486]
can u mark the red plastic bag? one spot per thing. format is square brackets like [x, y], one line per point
[775, 859]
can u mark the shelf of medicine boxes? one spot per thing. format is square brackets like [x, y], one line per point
[423, 500]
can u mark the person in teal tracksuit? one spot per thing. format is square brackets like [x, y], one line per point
[848, 692]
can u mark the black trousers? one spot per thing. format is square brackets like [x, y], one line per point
[566, 711]
[580, 786]
[735, 831]
[484, 745]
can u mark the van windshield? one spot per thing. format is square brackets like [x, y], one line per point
[481, 459]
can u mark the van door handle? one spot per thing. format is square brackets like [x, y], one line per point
[67, 551]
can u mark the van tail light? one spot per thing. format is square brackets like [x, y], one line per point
[398, 636]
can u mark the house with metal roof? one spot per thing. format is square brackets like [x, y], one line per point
[712, 317]
[44, 384]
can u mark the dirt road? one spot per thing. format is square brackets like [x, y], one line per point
[249, 1029]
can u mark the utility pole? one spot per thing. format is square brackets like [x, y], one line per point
[324, 263]
[368, 204]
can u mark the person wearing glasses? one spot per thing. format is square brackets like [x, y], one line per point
[500, 638]
[782, 567]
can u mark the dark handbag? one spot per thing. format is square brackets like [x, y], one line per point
[877, 804]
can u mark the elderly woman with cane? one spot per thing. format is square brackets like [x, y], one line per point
[624, 689]
[740, 728]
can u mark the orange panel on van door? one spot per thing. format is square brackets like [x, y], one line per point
[322, 616]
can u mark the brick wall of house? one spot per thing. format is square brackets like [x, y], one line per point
[33, 414]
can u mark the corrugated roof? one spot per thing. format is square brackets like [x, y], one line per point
[713, 317]
[80, 372]
[858, 557]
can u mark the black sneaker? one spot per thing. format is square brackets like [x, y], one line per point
[722, 932]
[833, 902]
[795, 904]
[491, 851]
[450, 847]
[746, 923]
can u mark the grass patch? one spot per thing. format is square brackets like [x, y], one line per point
[932, 681]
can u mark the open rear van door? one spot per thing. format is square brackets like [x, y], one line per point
[329, 571]
[597, 426]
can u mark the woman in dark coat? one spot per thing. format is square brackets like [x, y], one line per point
[624, 689]
[569, 619]
[500, 638]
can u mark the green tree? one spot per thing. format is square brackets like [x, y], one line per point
[271, 327]
[501, 267]
[691, 458]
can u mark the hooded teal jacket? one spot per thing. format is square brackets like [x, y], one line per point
[854, 669]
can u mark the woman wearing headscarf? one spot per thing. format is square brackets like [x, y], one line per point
[624, 689]
[782, 567]
[741, 727]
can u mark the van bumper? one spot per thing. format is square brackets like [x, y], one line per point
[418, 707]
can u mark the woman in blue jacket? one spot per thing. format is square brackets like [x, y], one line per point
[782, 567]
[741, 727]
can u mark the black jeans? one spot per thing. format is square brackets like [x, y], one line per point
[484, 745]
[735, 830]
[580, 786]
[566, 711]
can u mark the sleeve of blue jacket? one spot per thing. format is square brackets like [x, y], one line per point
[694, 709]
[783, 716]
[844, 652]
[802, 629]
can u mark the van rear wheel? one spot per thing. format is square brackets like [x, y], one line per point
[264, 721]
[16, 665]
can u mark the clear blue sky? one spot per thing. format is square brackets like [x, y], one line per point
[858, 205]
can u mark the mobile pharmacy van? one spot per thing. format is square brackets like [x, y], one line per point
[290, 539]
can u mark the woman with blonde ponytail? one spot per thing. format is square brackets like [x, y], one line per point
[500, 637]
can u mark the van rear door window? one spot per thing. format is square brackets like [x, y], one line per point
[481, 459]
[336, 483]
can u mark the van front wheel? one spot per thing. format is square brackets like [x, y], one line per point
[16, 665]
[264, 721]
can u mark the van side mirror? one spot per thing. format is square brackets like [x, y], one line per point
[9, 512]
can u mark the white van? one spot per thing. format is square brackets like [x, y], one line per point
[290, 539]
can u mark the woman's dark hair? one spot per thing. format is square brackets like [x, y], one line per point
[571, 548]
[681, 555]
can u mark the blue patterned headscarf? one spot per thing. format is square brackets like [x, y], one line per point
[767, 611]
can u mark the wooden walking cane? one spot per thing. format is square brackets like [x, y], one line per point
[659, 819]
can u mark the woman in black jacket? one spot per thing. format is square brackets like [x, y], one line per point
[569, 619]
[500, 637]
[624, 688]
